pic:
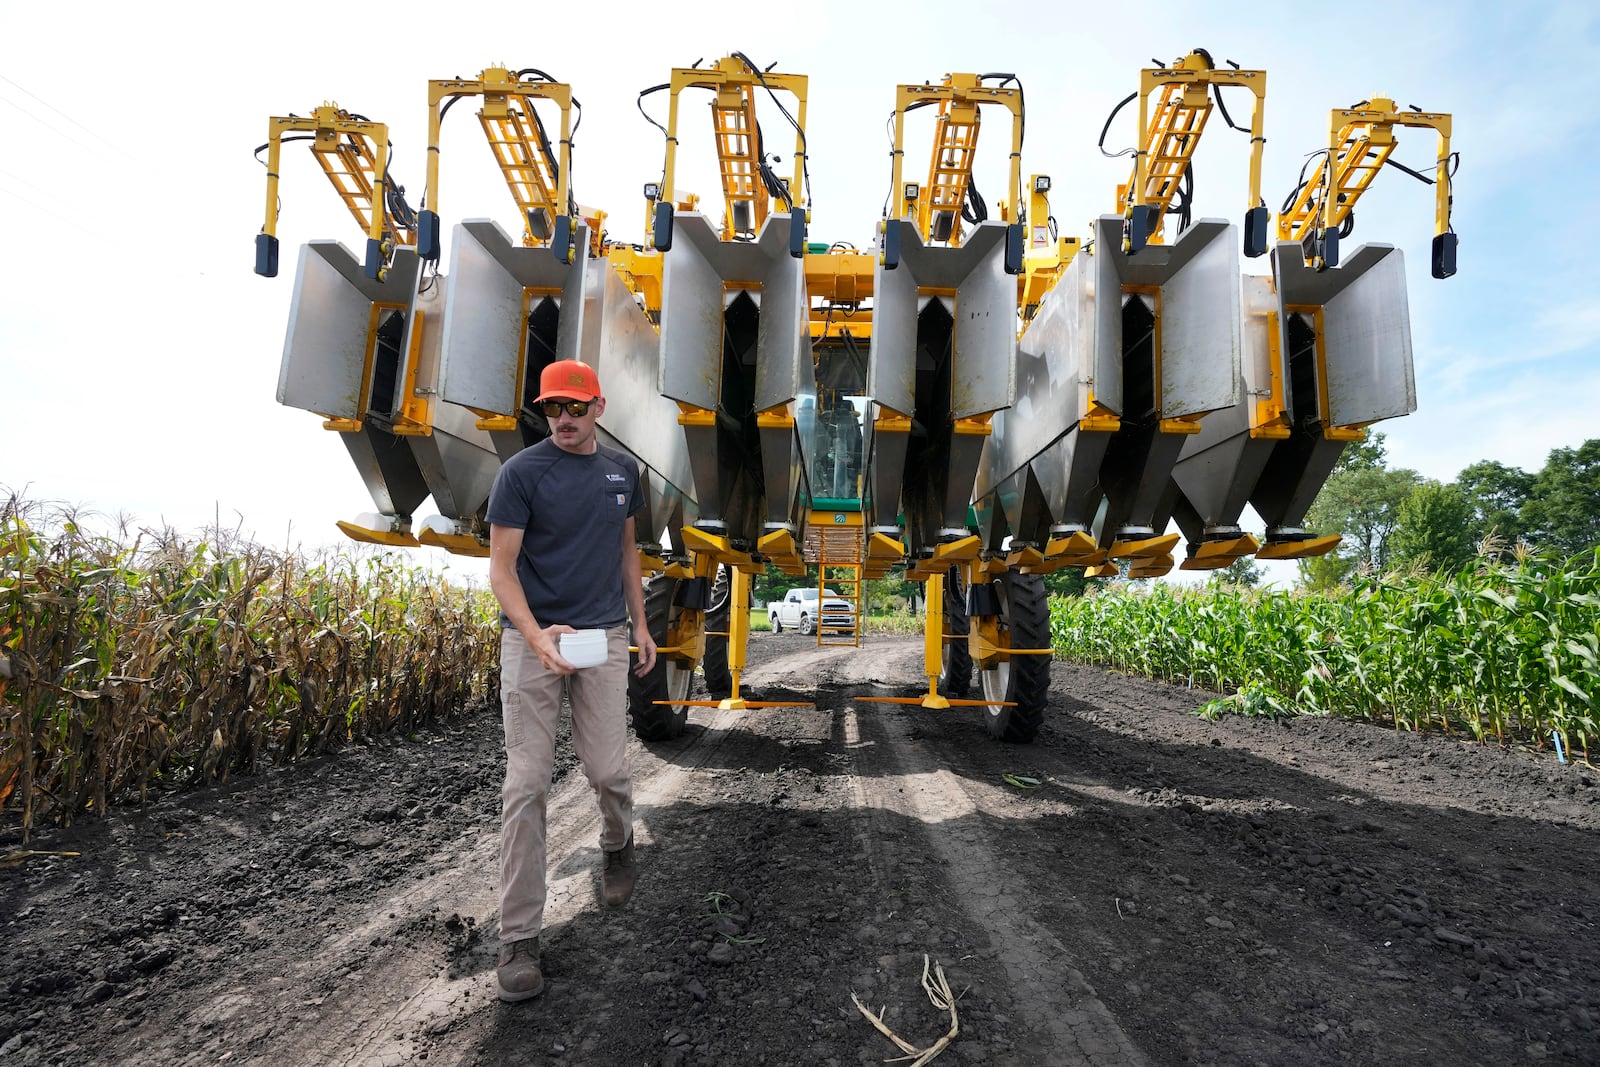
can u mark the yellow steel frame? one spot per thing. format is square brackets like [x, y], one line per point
[1042, 260]
[641, 273]
[507, 117]
[355, 157]
[1355, 432]
[959, 97]
[843, 277]
[1173, 132]
[1360, 141]
[837, 283]
[734, 127]
[390, 538]
[1214, 555]
[415, 417]
[1269, 420]
[934, 637]
[374, 319]
[688, 638]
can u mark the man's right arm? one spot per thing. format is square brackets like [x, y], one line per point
[505, 543]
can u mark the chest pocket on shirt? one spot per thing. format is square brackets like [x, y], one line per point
[614, 505]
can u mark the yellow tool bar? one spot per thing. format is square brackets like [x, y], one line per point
[508, 119]
[942, 702]
[1171, 134]
[738, 705]
[1360, 141]
[354, 154]
[959, 97]
[734, 80]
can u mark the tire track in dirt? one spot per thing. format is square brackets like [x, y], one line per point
[1073, 1025]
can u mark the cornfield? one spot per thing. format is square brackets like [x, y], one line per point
[171, 662]
[1503, 652]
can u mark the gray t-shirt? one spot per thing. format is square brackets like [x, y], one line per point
[571, 509]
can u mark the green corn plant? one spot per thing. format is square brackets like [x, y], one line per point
[1502, 651]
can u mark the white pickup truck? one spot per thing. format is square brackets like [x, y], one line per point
[798, 610]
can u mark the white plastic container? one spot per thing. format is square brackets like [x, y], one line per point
[584, 648]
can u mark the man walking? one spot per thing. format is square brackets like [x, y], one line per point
[562, 558]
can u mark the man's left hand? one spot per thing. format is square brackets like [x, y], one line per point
[647, 650]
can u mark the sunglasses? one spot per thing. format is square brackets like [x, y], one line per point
[576, 408]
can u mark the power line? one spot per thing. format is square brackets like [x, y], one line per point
[58, 111]
[75, 224]
[19, 178]
[58, 132]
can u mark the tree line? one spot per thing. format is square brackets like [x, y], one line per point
[1392, 518]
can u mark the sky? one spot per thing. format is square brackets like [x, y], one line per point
[139, 353]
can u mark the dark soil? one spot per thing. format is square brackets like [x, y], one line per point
[1172, 891]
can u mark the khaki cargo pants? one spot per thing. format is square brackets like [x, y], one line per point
[531, 703]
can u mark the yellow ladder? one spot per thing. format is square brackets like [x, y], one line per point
[950, 171]
[846, 579]
[530, 173]
[836, 542]
[839, 568]
[734, 127]
[1169, 146]
[1362, 152]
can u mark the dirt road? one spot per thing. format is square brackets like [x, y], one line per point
[1172, 891]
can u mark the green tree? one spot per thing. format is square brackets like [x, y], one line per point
[1433, 529]
[1496, 495]
[1562, 515]
[1361, 501]
[894, 584]
[1069, 581]
[771, 584]
[1242, 573]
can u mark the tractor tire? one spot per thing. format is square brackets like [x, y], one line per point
[808, 626]
[1024, 680]
[955, 675]
[719, 680]
[667, 680]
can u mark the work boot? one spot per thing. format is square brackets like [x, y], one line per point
[518, 976]
[616, 884]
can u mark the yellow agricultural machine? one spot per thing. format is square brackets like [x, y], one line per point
[974, 397]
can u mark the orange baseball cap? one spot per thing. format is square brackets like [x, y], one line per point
[569, 378]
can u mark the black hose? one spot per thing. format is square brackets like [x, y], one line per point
[283, 140]
[773, 184]
[1415, 174]
[1301, 182]
[974, 210]
[805, 153]
[1216, 92]
[639, 103]
[1107, 128]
